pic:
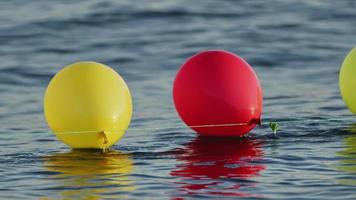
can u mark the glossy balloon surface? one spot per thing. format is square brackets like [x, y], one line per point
[347, 80]
[88, 105]
[217, 87]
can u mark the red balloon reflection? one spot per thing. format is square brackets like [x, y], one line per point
[208, 162]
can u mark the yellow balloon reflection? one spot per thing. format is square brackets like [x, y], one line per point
[91, 174]
[208, 162]
[348, 163]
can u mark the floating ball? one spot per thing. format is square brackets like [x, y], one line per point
[347, 80]
[88, 105]
[217, 93]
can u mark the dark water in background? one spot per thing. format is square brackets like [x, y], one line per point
[296, 48]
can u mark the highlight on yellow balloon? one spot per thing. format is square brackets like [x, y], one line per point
[88, 105]
[347, 80]
[91, 175]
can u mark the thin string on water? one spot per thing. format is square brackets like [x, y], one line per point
[160, 128]
[181, 126]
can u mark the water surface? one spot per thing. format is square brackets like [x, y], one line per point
[295, 47]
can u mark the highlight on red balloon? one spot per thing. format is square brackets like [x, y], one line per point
[217, 93]
[207, 161]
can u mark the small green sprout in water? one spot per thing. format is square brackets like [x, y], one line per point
[274, 126]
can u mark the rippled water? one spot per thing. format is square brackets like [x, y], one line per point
[295, 47]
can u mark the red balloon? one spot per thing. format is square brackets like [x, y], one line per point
[217, 87]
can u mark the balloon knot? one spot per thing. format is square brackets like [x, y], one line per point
[106, 140]
[255, 121]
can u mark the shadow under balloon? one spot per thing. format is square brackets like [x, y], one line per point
[83, 174]
[348, 162]
[218, 166]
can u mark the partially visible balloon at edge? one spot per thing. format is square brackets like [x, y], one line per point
[347, 80]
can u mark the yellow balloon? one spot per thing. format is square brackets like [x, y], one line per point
[347, 80]
[88, 105]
